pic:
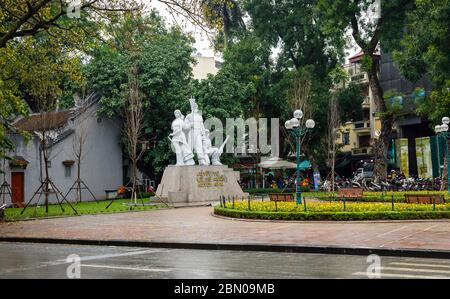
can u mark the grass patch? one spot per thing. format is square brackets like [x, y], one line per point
[83, 208]
[333, 211]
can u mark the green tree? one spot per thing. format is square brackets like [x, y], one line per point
[368, 28]
[20, 18]
[350, 103]
[294, 27]
[32, 70]
[164, 75]
[424, 49]
[303, 54]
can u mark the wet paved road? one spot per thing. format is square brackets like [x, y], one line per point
[49, 261]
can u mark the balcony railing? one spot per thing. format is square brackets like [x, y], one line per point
[358, 125]
[366, 102]
[362, 151]
[359, 77]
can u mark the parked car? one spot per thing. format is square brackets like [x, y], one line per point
[365, 172]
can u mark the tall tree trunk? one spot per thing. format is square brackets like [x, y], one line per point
[46, 183]
[79, 180]
[134, 181]
[381, 144]
[444, 175]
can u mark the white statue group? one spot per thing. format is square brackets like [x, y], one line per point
[197, 140]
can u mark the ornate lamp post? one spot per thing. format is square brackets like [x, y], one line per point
[297, 132]
[442, 131]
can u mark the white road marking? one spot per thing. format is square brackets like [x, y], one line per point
[428, 228]
[384, 234]
[391, 231]
[86, 258]
[126, 268]
[113, 255]
[420, 265]
[403, 275]
[416, 270]
[407, 236]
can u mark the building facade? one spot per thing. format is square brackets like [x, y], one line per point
[355, 137]
[101, 162]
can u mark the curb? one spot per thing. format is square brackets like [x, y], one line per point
[403, 252]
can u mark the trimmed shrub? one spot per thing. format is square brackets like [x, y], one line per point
[336, 216]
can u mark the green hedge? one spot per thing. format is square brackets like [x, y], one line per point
[342, 216]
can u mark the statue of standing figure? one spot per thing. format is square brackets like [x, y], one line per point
[193, 124]
[182, 148]
[197, 140]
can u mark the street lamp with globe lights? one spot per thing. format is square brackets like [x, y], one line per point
[442, 131]
[293, 125]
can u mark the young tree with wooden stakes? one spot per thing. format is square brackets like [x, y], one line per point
[133, 121]
[48, 126]
[78, 145]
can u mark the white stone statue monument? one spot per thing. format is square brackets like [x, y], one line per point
[193, 124]
[212, 154]
[197, 140]
[187, 184]
[182, 149]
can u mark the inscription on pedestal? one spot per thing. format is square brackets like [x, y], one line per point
[190, 185]
[208, 179]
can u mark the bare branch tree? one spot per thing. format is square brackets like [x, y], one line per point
[133, 116]
[79, 141]
[299, 99]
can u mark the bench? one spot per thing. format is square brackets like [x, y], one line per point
[350, 193]
[425, 198]
[281, 196]
[111, 194]
[2, 212]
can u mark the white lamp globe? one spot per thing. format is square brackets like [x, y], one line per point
[310, 124]
[298, 114]
[446, 120]
[288, 125]
[444, 128]
[295, 122]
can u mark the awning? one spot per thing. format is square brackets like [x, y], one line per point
[277, 163]
[305, 164]
[18, 162]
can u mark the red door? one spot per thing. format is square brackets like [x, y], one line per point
[17, 188]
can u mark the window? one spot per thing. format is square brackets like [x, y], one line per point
[68, 171]
[346, 138]
[364, 141]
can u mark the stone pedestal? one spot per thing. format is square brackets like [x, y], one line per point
[198, 185]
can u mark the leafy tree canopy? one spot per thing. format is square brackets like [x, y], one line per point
[164, 58]
[425, 49]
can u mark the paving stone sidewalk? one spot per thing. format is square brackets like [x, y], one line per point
[197, 225]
